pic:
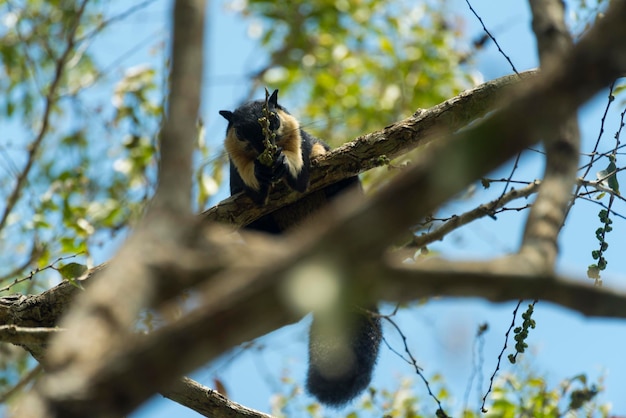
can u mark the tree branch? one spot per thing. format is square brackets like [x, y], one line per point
[25, 380]
[208, 402]
[46, 309]
[102, 317]
[377, 148]
[26, 336]
[479, 212]
[562, 144]
[497, 281]
[241, 303]
[178, 138]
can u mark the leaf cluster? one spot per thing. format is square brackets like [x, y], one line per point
[527, 395]
[353, 66]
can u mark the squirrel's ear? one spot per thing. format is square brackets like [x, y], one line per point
[274, 98]
[228, 115]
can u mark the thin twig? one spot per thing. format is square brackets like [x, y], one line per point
[477, 363]
[491, 37]
[481, 211]
[120, 16]
[37, 270]
[25, 380]
[27, 335]
[517, 158]
[34, 254]
[412, 361]
[495, 372]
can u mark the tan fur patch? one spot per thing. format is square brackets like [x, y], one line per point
[242, 157]
[317, 150]
[288, 137]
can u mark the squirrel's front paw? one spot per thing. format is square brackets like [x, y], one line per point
[271, 174]
[280, 166]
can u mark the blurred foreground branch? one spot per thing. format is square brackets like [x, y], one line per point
[99, 367]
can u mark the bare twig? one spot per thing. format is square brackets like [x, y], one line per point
[35, 252]
[499, 360]
[491, 36]
[481, 211]
[25, 380]
[501, 51]
[35, 271]
[413, 362]
[26, 336]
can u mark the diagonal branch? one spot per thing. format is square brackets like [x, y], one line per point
[242, 303]
[446, 168]
[485, 209]
[377, 148]
[23, 382]
[208, 402]
[25, 313]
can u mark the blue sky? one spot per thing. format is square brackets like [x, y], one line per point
[440, 332]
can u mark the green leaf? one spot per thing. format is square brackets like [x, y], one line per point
[72, 271]
[609, 176]
[613, 183]
[593, 272]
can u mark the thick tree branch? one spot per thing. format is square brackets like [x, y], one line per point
[102, 317]
[445, 168]
[178, 138]
[377, 148]
[562, 144]
[242, 303]
[496, 281]
[40, 311]
[44, 310]
[213, 328]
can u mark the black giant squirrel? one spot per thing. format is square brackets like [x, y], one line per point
[340, 366]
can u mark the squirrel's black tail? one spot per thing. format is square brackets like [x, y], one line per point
[342, 355]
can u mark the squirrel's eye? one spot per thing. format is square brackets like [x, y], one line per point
[274, 121]
[239, 136]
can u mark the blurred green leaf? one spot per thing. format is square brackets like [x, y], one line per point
[72, 270]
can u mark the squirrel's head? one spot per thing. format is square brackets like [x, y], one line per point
[244, 124]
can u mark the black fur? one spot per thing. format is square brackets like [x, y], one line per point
[339, 368]
[244, 124]
[328, 380]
